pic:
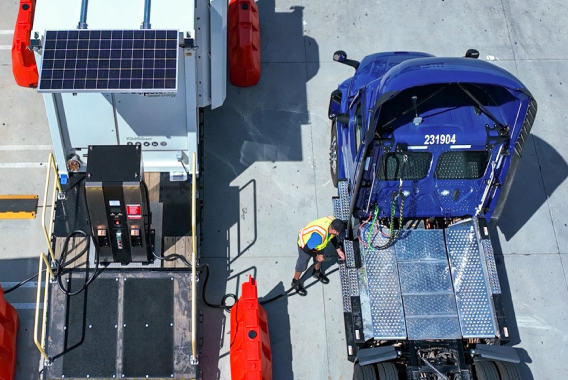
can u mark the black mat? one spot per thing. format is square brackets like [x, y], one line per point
[176, 197]
[97, 307]
[148, 351]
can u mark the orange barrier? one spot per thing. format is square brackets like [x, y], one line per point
[23, 60]
[9, 323]
[251, 358]
[243, 43]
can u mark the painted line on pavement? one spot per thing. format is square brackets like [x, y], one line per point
[9, 284]
[26, 305]
[26, 147]
[6, 32]
[5, 47]
[22, 165]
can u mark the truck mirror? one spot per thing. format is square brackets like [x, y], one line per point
[334, 104]
[472, 53]
[341, 57]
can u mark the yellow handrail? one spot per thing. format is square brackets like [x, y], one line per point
[193, 261]
[40, 278]
[56, 186]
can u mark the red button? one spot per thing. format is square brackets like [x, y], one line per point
[133, 209]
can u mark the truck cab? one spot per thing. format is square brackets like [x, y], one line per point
[424, 151]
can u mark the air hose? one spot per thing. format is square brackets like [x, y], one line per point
[392, 234]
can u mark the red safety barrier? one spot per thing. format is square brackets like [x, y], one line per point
[23, 60]
[251, 358]
[9, 323]
[243, 43]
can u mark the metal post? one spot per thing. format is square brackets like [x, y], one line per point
[83, 20]
[146, 23]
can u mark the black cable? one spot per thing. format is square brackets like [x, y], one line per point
[61, 264]
[223, 304]
[9, 290]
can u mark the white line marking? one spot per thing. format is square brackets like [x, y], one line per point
[26, 147]
[460, 147]
[26, 305]
[31, 284]
[22, 165]
[5, 47]
[418, 147]
[6, 32]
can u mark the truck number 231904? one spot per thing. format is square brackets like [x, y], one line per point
[439, 139]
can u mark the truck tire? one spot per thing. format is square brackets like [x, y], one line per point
[366, 372]
[387, 371]
[333, 155]
[508, 371]
[485, 370]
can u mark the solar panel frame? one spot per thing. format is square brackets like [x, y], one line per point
[110, 61]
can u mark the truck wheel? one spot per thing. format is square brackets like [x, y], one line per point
[333, 157]
[485, 370]
[366, 372]
[508, 371]
[387, 371]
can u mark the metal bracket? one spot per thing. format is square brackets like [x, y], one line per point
[193, 360]
[503, 353]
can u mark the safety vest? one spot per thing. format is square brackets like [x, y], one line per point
[319, 226]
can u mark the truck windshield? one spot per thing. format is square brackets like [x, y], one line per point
[461, 165]
[414, 169]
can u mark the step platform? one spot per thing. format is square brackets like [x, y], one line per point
[125, 325]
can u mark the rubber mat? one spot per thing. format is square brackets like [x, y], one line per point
[176, 197]
[148, 335]
[91, 320]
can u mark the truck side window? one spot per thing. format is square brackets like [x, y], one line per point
[415, 168]
[462, 165]
[358, 126]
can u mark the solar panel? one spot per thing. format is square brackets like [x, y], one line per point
[109, 61]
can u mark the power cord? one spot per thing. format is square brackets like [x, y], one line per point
[223, 304]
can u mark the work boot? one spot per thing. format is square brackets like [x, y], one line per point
[317, 274]
[299, 287]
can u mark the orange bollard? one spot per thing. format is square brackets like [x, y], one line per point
[9, 323]
[251, 357]
[23, 60]
[243, 43]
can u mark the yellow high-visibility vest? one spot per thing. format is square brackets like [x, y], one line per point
[319, 226]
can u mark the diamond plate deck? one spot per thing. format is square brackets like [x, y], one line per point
[426, 285]
[345, 198]
[475, 308]
[487, 249]
[349, 253]
[345, 288]
[384, 293]
[337, 208]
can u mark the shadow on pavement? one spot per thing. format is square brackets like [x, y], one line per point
[525, 196]
[256, 124]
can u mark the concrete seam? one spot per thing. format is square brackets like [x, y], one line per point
[509, 35]
[564, 271]
[547, 197]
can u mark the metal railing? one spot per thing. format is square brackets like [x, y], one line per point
[194, 359]
[52, 175]
[48, 272]
[56, 188]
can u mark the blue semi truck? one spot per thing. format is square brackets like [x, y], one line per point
[423, 152]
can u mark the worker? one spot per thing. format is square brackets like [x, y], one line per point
[312, 241]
